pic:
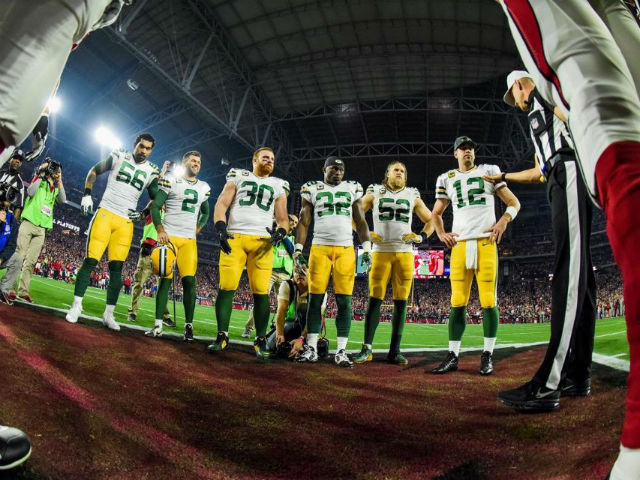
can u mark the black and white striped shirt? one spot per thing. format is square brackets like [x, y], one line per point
[549, 134]
[15, 180]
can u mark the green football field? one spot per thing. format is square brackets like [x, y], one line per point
[610, 333]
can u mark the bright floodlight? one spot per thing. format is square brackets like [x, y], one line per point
[178, 171]
[54, 104]
[105, 137]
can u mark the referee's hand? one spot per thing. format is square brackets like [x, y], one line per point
[492, 178]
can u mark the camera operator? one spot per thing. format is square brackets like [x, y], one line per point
[45, 191]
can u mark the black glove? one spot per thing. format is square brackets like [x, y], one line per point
[277, 234]
[425, 238]
[223, 236]
[38, 138]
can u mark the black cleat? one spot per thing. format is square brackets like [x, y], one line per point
[131, 317]
[397, 359]
[15, 447]
[169, 322]
[219, 344]
[573, 388]
[188, 332]
[260, 346]
[486, 363]
[449, 364]
[531, 397]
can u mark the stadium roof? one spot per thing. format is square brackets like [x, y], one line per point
[367, 80]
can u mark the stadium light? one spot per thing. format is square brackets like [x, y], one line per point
[105, 137]
[178, 171]
[54, 104]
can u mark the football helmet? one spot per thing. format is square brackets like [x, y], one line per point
[162, 258]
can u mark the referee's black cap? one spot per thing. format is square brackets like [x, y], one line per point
[19, 154]
[462, 141]
[333, 161]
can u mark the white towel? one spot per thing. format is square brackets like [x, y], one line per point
[471, 254]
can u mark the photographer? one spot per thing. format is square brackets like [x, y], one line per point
[45, 191]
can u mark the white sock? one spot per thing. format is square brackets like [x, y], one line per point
[489, 343]
[108, 310]
[159, 323]
[312, 340]
[368, 345]
[454, 346]
[342, 342]
[77, 301]
[627, 466]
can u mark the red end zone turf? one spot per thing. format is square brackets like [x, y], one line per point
[99, 404]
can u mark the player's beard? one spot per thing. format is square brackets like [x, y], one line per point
[264, 170]
[139, 157]
[396, 183]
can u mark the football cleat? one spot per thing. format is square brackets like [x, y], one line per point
[573, 388]
[247, 332]
[449, 364]
[131, 317]
[260, 346]
[306, 355]
[188, 332]
[397, 359]
[169, 322]
[486, 363]
[74, 312]
[531, 397]
[365, 355]
[110, 322]
[219, 344]
[342, 359]
[156, 331]
[15, 447]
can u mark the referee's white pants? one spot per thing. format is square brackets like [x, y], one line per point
[579, 65]
[36, 38]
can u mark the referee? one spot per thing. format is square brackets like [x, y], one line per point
[11, 176]
[566, 369]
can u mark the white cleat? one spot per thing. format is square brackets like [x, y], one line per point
[110, 322]
[74, 312]
[156, 331]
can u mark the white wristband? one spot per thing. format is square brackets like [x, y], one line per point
[366, 246]
[299, 247]
[512, 211]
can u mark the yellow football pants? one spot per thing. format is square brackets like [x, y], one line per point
[397, 266]
[186, 256]
[109, 230]
[325, 260]
[486, 274]
[253, 251]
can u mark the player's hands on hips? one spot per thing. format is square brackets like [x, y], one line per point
[497, 230]
[135, 216]
[86, 205]
[449, 239]
[492, 178]
[277, 234]
[223, 236]
[366, 261]
[375, 238]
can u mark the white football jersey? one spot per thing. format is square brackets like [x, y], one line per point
[251, 212]
[183, 203]
[472, 199]
[392, 214]
[126, 183]
[332, 212]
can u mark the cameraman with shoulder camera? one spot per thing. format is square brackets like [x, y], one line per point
[45, 191]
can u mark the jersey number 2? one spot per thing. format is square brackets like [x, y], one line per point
[188, 204]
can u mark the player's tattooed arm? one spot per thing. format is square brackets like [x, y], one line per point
[424, 214]
[449, 239]
[98, 169]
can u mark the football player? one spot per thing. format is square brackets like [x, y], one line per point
[334, 205]
[187, 211]
[472, 240]
[111, 228]
[252, 198]
[393, 205]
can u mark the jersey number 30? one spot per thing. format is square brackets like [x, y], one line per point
[257, 195]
